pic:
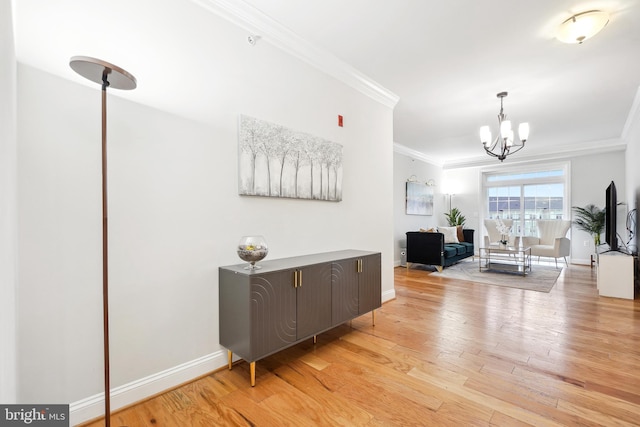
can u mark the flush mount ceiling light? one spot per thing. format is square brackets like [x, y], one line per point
[504, 143]
[582, 26]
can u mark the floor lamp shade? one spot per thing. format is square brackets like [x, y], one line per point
[97, 70]
[107, 75]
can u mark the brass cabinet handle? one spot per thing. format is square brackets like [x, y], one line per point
[297, 278]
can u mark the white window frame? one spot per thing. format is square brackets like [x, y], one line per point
[565, 166]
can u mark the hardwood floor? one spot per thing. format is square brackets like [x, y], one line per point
[444, 352]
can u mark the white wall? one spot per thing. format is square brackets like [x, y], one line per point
[8, 208]
[405, 167]
[465, 184]
[174, 214]
[590, 176]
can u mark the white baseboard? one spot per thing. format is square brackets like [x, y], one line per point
[127, 394]
[93, 406]
[388, 295]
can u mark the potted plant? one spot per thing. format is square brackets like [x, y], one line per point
[455, 217]
[590, 219]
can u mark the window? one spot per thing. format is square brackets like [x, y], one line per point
[539, 192]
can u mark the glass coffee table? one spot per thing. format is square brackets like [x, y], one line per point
[506, 259]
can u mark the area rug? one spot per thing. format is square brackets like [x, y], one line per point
[541, 278]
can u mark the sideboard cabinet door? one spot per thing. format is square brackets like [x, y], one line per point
[344, 294]
[356, 287]
[313, 299]
[289, 305]
[273, 312]
[370, 284]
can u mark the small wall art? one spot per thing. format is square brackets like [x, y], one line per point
[419, 199]
[275, 161]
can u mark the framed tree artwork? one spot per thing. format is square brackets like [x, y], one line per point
[275, 161]
[419, 200]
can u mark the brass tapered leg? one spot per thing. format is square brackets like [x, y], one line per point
[230, 358]
[315, 339]
[252, 367]
[373, 317]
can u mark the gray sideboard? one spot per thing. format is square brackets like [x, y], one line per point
[291, 299]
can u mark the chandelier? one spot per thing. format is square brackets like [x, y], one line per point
[504, 144]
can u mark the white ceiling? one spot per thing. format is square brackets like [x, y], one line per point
[446, 60]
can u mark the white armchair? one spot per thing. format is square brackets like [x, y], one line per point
[551, 241]
[493, 236]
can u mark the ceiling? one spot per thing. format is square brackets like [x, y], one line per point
[445, 60]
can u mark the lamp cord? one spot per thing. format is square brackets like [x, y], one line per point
[631, 227]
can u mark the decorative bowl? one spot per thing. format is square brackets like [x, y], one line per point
[252, 249]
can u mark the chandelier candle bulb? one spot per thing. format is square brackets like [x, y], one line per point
[523, 131]
[505, 129]
[485, 135]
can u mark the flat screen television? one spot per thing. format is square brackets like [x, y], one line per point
[610, 217]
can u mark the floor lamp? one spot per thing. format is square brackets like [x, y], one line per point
[107, 75]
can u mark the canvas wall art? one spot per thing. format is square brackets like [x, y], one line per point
[419, 198]
[275, 161]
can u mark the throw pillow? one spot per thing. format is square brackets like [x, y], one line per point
[430, 230]
[450, 234]
[460, 233]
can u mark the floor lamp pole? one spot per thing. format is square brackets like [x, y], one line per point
[108, 75]
[105, 260]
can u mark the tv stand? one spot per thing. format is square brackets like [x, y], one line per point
[608, 251]
[616, 274]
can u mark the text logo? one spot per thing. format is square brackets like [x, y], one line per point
[34, 415]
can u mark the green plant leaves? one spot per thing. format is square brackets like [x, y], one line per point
[590, 219]
[455, 217]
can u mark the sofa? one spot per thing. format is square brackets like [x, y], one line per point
[430, 248]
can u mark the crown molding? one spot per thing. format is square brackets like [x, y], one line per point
[633, 116]
[258, 24]
[555, 153]
[409, 152]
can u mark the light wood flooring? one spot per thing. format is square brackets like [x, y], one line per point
[442, 353]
